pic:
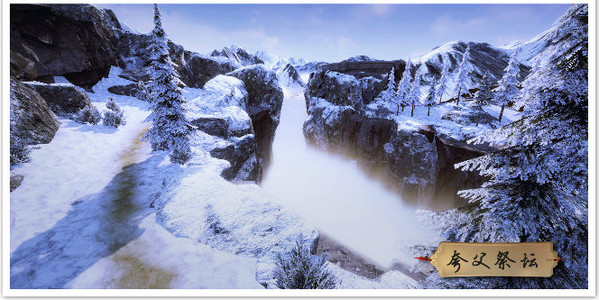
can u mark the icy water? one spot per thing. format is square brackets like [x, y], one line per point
[334, 195]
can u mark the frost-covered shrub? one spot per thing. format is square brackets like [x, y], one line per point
[19, 151]
[88, 115]
[301, 270]
[113, 116]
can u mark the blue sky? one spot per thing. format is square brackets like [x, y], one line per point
[333, 32]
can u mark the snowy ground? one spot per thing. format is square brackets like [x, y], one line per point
[99, 209]
[82, 216]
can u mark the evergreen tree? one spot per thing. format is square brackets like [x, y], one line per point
[441, 87]
[431, 98]
[462, 76]
[169, 129]
[508, 85]
[414, 94]
[387, 96]
[483, 96]
[403, 88]
[538, 186]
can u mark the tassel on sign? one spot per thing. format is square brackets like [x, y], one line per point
[494, 259]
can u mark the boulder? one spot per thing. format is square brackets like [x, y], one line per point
[223, 97]
[245, 166]
[265, 99]
[30, 116]
[63, 98]
[125, 90]
[15, 180]
[212, 126]
[71, 40]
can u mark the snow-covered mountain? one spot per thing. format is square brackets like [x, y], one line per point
[238, 55]
[483, 58]
[288, 76]
[361, 58]
[547, 40]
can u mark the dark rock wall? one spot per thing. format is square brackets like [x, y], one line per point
[265, 99]
[30, 115]
[69, 40]
[417, 163]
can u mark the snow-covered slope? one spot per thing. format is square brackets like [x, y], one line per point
[237, 55]
[528, 50]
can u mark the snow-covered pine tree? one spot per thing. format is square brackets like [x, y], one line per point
[387, 96]
[169, 129]
[462, 76]
[483, 96]
[538, 186]
[441, 87]
[508, 85]
[414, 94]
[404, 86]
[431, 99]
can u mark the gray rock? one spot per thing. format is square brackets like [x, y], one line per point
[413, 161]
[125, 90]
[15, 180]
[193, 69]
[212, 126]
[72, 40]
[30, 116]
[469, 115]
[63, 99]
[245, 166]
[342, 89]
[265, 99]
[361, 67]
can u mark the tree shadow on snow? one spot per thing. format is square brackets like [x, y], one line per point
[97, 226]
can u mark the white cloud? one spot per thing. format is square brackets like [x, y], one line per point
[446, 24]
[381, 10]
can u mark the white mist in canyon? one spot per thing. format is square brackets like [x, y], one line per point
[334, 195]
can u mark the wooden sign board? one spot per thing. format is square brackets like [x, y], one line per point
[495, 259]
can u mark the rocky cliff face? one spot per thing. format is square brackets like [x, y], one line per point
[75, 41]
[30, 116]
[193, 69]
[416, 162]
[265, 99]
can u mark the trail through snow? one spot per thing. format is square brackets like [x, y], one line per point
[82, 217]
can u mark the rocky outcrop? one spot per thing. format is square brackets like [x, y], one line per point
[245, 166]
[125, 90]
[71, 40]
[342, 89]
[30, 116]
[15, 180]
[365, 68]
[63, 99]
[413, 162]
[265, 99]
[417, 163]
[212, 125]
[194, 69]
